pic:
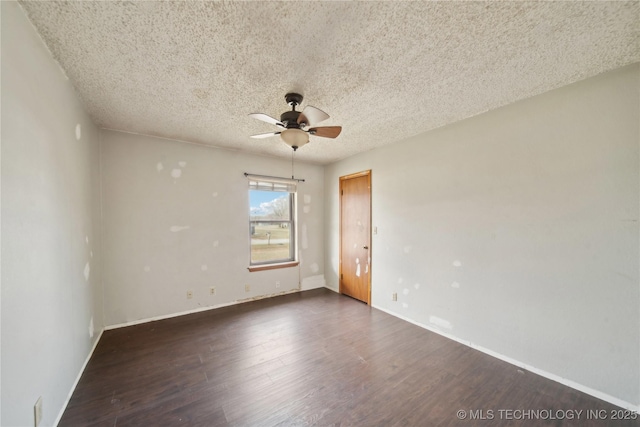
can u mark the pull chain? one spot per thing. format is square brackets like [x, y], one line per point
[292, 154]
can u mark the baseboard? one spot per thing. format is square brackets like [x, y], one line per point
[569, 383]
[75, 383]
[197, 310]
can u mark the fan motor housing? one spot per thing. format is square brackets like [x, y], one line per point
[290, 119]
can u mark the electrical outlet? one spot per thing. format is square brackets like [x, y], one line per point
[37, 411]
[394, 297]
[189, 294]
[247, 288]
[278, 284]
[212, 290]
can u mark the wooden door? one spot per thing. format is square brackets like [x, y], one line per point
[355, 236]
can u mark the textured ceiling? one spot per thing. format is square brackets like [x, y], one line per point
[385, 71]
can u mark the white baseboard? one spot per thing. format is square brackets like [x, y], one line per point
[75, 383]
[569, 383]
[197, 310]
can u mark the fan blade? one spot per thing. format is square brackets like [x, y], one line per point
[326, 131]
[265, 135]
[312, 115]
[266, 118]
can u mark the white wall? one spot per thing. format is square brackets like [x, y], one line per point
[50, 228]
[517, 231]
[152, 186]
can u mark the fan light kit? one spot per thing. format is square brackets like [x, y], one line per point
[294, 137]
[294, 124]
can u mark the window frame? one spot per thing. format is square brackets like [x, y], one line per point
[292, 260]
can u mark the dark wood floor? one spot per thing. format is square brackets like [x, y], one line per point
[312, 358]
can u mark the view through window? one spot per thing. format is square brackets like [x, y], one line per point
[272, 228]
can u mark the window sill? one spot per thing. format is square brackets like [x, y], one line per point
[273, 266]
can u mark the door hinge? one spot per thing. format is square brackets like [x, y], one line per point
[341, 276]
[342, 192]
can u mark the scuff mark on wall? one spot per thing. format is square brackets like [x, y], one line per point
[147, 269]
[405, 305]
[215, 243]
[455, 285]
[214, 194]
[91, 328]
[417, 286]
[176, 173]
[307, 199]
[204, 267]
[159, 166]
[87, 271]
[457, 263]
[405, 291]
[306, 209]
[436, 321]
[314, 268]
[182, 164]
[78, 131]
[176, 228]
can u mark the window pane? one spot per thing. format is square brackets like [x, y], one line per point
[269, 205]
[270, 241]
[272, 229]
[272, 186]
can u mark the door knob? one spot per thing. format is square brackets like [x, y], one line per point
[365, 247]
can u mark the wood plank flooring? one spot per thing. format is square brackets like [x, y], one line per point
[314, 358]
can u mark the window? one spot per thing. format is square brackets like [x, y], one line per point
[272, 223]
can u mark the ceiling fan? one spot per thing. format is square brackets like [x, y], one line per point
[295, 124]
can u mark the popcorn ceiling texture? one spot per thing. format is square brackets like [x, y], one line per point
[385, 71]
